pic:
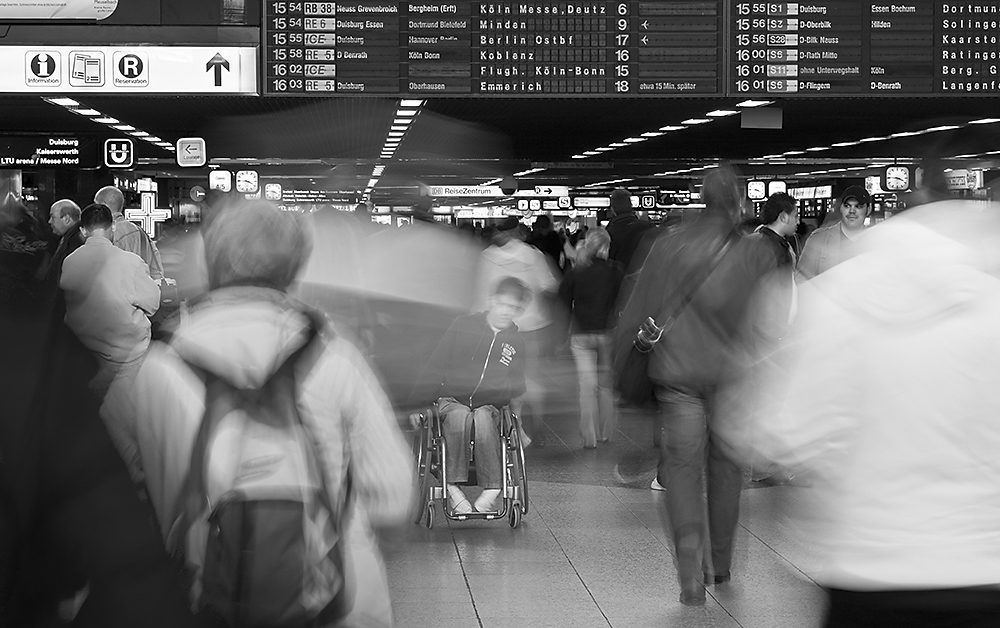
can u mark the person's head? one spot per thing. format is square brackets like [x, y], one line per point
[255, 244]
[423, 209]
[621, 202]
[96, 220]
[721, 193]
[111, 197]
[509, 298]
[596, 246]
[63, 216]
[509, 229]
[543, 223]
[780, 214]
[855, 205]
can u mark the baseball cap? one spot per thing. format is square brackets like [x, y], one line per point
[858, 193]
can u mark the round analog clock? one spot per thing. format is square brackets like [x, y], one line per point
[756, 190]
[897, 178]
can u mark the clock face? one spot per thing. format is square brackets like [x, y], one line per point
[897, 178]
[246, 181]
[756, 190]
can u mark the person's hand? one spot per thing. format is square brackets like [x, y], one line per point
[416, 418]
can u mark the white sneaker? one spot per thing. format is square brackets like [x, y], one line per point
[656, 486]
[487, 500]
[457, 501]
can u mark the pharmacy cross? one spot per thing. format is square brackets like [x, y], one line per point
[148, 215]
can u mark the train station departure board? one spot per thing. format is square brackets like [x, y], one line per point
[644, 48]
[527, 48]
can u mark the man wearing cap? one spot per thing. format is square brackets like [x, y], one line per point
[832, 244]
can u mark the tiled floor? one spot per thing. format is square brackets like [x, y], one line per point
[592, 551]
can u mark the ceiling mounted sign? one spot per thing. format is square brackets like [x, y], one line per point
[57, 9]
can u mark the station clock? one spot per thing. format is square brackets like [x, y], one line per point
[895, 178]
[756, 190]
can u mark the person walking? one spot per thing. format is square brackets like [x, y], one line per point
[589, 291]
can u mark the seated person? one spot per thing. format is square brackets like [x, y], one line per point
[476, 369]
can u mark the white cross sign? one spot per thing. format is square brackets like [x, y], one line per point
[148, 215]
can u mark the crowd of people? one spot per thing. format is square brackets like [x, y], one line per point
[856, 363]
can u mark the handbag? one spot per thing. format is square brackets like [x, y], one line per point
[632, 366]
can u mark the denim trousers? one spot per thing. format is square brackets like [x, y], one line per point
[691, 453]
[597, 405]
[458, 423]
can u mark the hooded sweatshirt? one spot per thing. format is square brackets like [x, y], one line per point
[890, 400]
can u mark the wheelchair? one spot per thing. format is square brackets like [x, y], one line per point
[432, 473]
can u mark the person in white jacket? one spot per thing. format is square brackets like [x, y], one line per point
[242, 331]
[889, 403]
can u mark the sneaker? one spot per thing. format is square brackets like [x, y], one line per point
[457, 501]
[487, 500]
[525, 439]
[656, 486]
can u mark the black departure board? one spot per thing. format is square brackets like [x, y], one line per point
[503, 48]
[624, 48]
[870, 48]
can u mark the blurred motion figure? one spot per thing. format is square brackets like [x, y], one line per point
[901, 434]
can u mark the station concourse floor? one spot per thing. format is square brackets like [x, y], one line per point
[592, 552]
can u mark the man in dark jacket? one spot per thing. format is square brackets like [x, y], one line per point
[625, 229]
[64, 219]
[691, 364]
[477, 368]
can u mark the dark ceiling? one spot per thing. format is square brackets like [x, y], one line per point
[472, 141]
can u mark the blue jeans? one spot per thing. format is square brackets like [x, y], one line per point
[688, 449]
[458, 422]
[597, 405]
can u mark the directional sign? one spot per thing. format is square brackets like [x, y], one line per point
[221, 180]
[191, 152]
[129, 69]
[119, 153]
[551, 190]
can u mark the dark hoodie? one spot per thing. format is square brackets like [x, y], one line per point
[475, 365]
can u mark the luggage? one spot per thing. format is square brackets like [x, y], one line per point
[259, 533]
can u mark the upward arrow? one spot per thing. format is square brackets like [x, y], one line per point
[218, 62]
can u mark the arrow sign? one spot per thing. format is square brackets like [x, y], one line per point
[218, 62]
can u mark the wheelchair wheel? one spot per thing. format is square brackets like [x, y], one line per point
[519, 475]
[515, 517]
[429, 522]
[422, 445]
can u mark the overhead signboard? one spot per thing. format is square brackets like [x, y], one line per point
[119, 153]
[592, 201]
[47, 152]
[134, 70]
[57, 9]
[190, 152]
[551, 190]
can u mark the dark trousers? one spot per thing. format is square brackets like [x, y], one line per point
[690, 454]
[976, 607]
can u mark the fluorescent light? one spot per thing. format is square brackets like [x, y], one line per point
[406, 112]
[138, 133]
[152, 138]
[401, 120]
[842, 144]
[106, 120]
[579, 157]
[63, 102]
[372, 182]
[603, 149]
[492, 181]
[617, 144]
[87, 112]
[906, 134]
[695, 121]
[401, 127]
[396, 134]
[633, 140]
[947, 127]
[672, 128]
[528, 171]
[794, 152]
[721, 113]
[378, 169]
[985, 121]
[652, 134]
[591, 153]
[754, 103]
[410, 103]
[872, 139]
[816, 149]
[124, 127]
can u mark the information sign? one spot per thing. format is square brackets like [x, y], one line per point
[47, 152]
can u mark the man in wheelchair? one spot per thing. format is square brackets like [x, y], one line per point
[476, 369]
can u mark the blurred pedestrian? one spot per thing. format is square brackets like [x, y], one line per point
[625, 228]
[710, 272]
[590, 291]
[887, 403]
